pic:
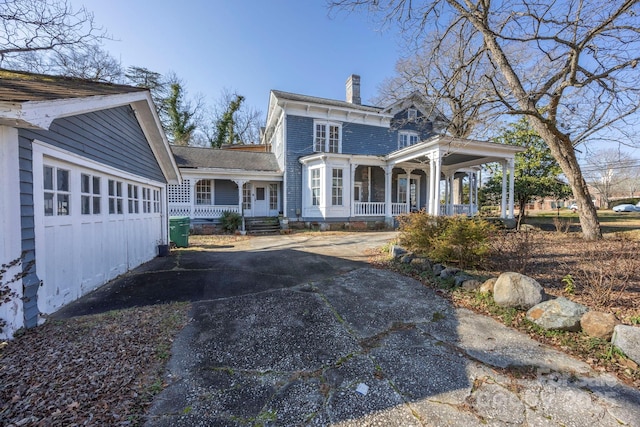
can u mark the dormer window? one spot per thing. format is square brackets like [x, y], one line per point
[412, 114]
[406, 139]
[327, 137]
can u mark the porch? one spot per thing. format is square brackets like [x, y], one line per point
[205, 198]
[371, 209]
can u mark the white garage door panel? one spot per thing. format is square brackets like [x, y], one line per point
[92, 263]
[116, 248]
[80, 251]
[58, 273]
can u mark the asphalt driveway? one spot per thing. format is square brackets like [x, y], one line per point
[300, 330]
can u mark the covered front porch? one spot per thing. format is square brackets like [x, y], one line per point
[440, 176]
[207, 198]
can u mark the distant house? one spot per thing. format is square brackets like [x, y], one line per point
[332, 161]
[84, 168]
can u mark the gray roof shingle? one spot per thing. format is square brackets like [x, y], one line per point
[196, 157]
[324, 101]
[18, 86]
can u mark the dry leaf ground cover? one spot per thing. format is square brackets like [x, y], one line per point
[603, 275]
[101, 369]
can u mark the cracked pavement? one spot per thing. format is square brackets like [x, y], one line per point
[300, 330]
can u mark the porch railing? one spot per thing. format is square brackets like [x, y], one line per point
[368, 209]
[398, 209]
[201, 211]
[459, 210]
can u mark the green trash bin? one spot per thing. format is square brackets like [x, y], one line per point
[179, 230]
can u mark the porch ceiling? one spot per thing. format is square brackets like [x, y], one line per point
[454, 153]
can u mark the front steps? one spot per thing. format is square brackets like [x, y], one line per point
[262, 225]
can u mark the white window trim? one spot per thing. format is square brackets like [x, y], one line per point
[412, 114]
[327, 134]
[342, 174]
[408, 134]
[211, 192]
[399, 187]
[311, 186]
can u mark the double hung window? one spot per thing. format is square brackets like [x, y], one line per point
[315, 187]
[327, 138]
[336, 187]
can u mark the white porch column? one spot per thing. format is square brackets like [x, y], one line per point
[192, 196]
[503, 204]
[408, 188]
[427, 189]
[434, 180]
[240, 183]
[476, 181]
[512, 179]
[388, 176]
[353, 189]
[449, 192]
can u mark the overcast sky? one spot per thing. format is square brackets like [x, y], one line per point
[249, 46]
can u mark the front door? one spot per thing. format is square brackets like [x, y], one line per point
[260, 205]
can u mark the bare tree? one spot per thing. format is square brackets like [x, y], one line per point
[36, 26]
[611, 171]
[566, 66]
[92, 63]
[449, 70]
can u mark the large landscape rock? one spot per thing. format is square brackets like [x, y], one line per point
[627, 339]
[559, 313]
[487, 286]
[517, 290]
[598, 324]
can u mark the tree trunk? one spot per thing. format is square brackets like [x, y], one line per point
[559, 143]
[522, 203]
[564, 153]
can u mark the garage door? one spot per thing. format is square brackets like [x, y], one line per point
[91, 226]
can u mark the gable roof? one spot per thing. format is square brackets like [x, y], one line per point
[210, 158]
[34, 101]
[324, 101]
[17, 86]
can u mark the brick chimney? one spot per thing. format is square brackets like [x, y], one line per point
[353, 89]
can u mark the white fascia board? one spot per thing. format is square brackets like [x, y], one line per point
[152, 128]
[338, 114]
[213, 173]
[40, 114]
[359, 159]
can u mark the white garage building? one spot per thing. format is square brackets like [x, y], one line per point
[84, 169]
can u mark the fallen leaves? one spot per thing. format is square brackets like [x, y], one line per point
[90, 370]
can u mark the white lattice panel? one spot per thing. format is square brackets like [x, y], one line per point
[180, 193]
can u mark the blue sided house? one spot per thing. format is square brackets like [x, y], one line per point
[327, 161]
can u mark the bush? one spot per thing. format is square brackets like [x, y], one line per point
[455, 239]
[230, 221]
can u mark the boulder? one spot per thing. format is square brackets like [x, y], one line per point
[487, 286]
[598, 324]
[471, 284]
[421, 264]
[407, 258]
[627, 339]
[397, 251]
[449, 272]
[517, 290]
[559, 313]
[437, 269]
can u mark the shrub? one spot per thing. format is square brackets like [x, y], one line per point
[457, 239]
[230, 221]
